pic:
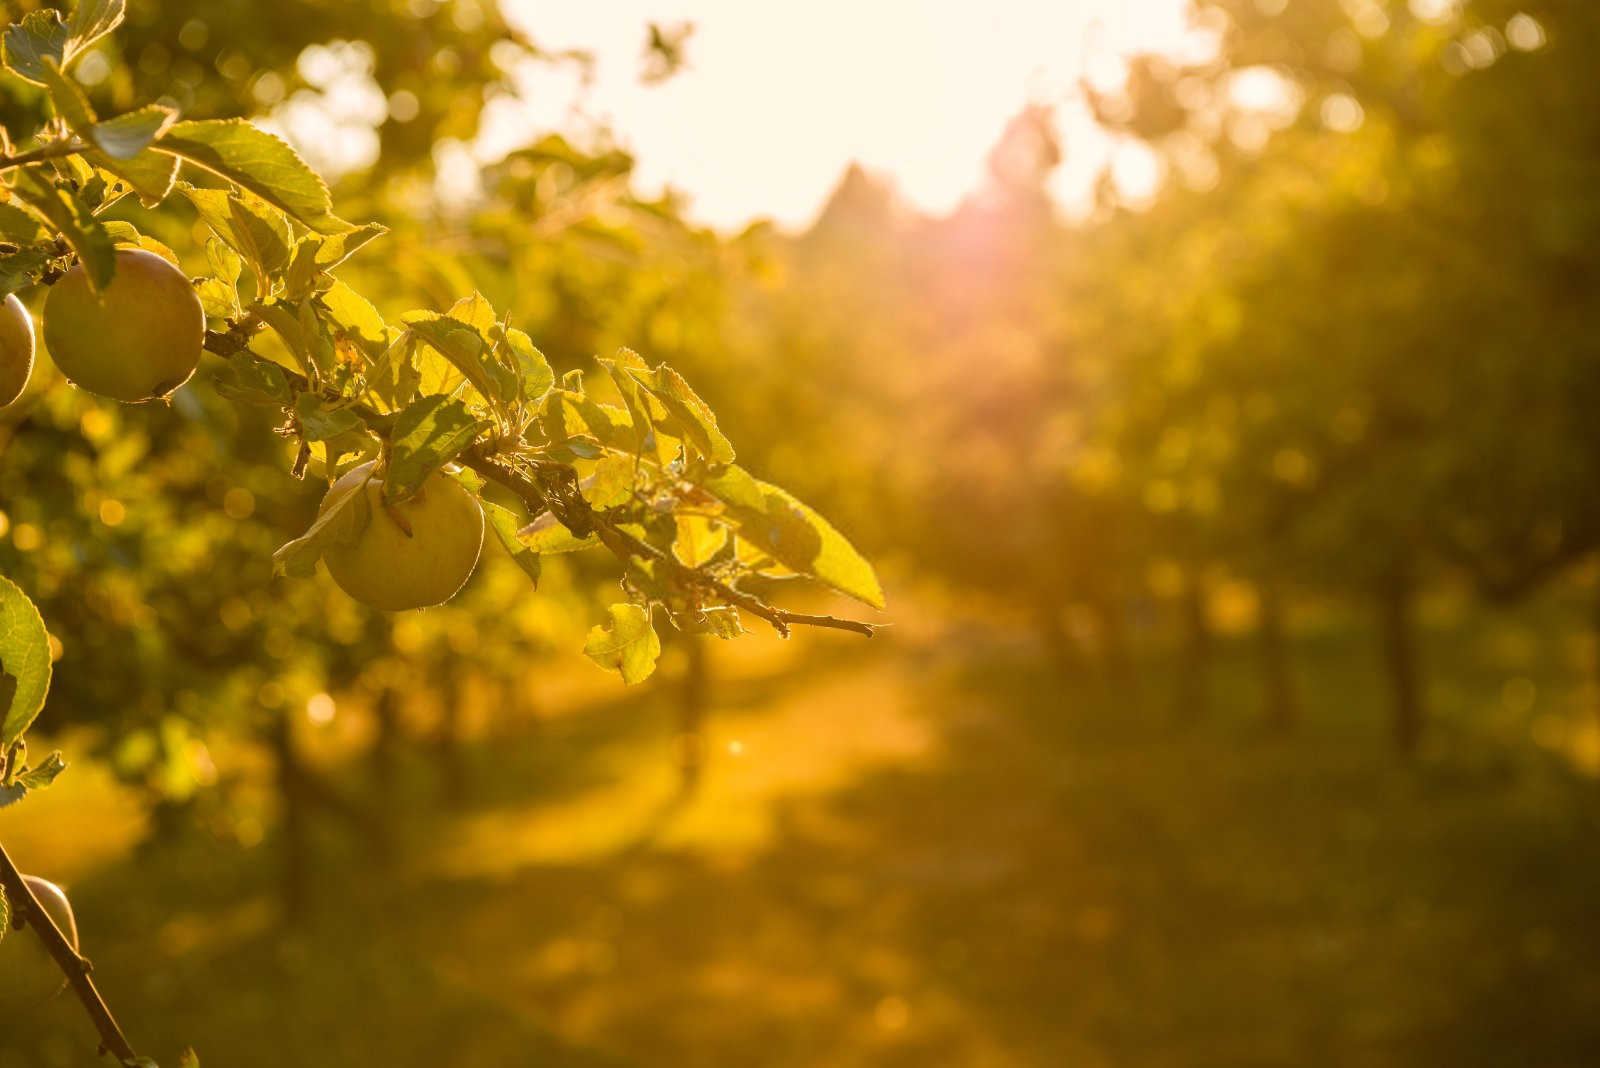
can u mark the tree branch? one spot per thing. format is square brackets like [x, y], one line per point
[27, 911]
[575, 514]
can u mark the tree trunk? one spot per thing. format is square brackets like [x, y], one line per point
[1194, 662]
[295, 887]
[1595, 664]
[385, 759]
[1066, 658]
[692, 699]
[1277, 680]
[1117, 662]
[451, 756]
[1398, 630]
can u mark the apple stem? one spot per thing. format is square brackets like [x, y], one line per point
[26, 911]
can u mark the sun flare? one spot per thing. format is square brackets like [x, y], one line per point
[772, 107]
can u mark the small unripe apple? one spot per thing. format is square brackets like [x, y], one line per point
[394, 568]
[16, 349]
[28, 974]
[138, 340]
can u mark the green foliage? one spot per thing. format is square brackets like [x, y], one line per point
[24, 663]
[652, 480]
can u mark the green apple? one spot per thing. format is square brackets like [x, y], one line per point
[28, 974]
[138, 340]
[16, 349]
[424, 562]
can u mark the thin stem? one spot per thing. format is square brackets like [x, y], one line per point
[28, 912]
[53, 150]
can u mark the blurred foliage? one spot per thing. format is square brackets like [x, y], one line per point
[1348, 343]
[443, 58]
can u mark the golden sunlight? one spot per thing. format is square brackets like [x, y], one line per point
[770, 110]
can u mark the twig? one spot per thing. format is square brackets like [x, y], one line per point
[50, 151]
[625, 544]
[28, 912]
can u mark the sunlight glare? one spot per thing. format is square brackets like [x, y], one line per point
[775, 103]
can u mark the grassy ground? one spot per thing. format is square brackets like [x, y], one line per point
[916, 853]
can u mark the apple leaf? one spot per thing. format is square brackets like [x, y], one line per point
[426, 435]
[73, 220]
[503, 521]
[20, 269]
[43, 774]
[546, 535]
[120, 145]
[531, 366]
[320, 421]
[336, 248]
[691, 418]
[460, 341]
[257, 232]
[793, 534]
[626, 643]
[71, 104]
[355, 315]
[612, 482]
[24, 661]
[253, 379]
[341, 523]
[698, 540]
[92, 20]
[20, 227]
[258, 162]
[41, 36]
[127, 136]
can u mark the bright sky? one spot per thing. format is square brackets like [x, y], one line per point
[777, 99]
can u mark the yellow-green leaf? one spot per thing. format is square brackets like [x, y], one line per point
[255, 160]
[699, 539]
[771, 519]
[24, 663]
[626, 643]
[75, 221]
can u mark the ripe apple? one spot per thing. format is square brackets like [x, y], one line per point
[138, 340]
[28, 974]
[392, 569]
[16, 349]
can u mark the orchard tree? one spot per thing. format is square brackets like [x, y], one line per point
[1380, 334]
[434, 428]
